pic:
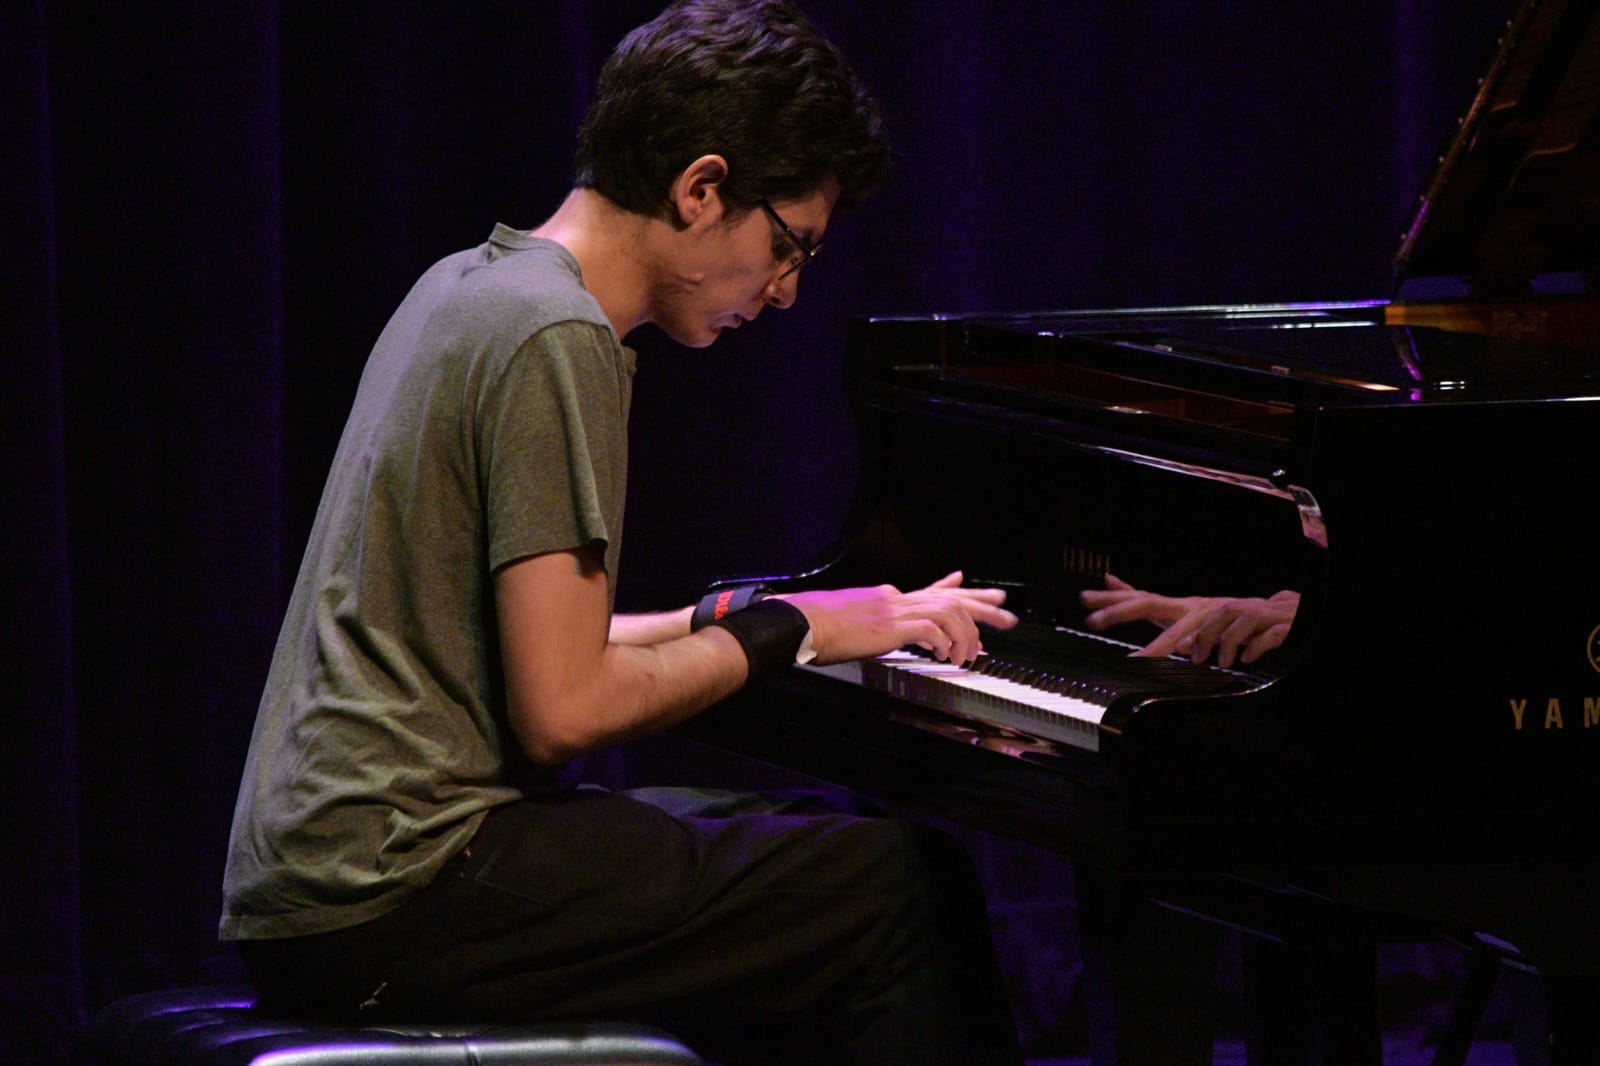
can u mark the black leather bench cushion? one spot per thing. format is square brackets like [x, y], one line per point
[220, 1027]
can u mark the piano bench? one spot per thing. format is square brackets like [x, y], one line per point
[221, 1027]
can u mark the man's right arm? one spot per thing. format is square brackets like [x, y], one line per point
[570, 688]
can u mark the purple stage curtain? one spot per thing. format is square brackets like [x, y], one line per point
[211, 208]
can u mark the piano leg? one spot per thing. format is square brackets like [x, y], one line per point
[1539, 913]
[1574, 1021]
[1554, 1021]
[1312, 1002]
[1472, 1002]
[1150, 957]
[1149, 975]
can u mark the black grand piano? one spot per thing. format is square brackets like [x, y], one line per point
[1425, 745]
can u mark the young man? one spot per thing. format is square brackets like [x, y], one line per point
[406, 841]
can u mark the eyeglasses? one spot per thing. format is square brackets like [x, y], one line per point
[805, 249]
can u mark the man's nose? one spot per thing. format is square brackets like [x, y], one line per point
[781, 292]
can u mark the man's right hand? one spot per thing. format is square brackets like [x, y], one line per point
[942, 618]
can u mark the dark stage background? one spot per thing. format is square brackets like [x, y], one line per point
[212, 207]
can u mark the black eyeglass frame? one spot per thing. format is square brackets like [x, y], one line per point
[808, 251]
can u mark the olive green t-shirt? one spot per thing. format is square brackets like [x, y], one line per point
[490, 424]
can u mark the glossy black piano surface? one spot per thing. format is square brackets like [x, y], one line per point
[1438, 696]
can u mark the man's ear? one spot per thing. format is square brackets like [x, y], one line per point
[696, 194]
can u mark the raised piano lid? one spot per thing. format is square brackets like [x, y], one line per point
[1513, 208]
[1493, 293]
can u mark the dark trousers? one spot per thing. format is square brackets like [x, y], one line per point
[756, 932]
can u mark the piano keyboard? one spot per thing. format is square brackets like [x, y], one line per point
[1007, 695]
[1061, 695]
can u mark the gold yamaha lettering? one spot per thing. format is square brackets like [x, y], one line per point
[1555, 716]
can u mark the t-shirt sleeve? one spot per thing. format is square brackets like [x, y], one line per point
[551, 445]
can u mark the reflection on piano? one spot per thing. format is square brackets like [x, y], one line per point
[1426, 740]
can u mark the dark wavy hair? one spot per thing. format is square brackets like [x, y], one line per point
[754, 82]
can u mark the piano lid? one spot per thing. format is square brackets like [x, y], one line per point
[1513, 208]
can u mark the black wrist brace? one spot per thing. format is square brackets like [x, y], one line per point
[714, 606]
[770, 632]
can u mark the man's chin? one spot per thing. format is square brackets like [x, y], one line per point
[703, 338]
